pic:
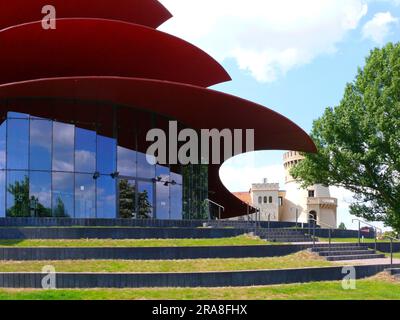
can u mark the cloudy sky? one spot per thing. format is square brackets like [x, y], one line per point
[294, 56]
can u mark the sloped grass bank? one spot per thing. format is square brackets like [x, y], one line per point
[299, 260]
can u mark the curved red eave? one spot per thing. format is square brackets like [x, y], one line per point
[97, 47]
[150, 13]
[213, 110]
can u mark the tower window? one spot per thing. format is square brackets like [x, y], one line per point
[311, 193]
[270, 199]
[265, 199]
[260, 200]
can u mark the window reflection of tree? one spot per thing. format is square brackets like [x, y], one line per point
[25, 206]
[127, 202]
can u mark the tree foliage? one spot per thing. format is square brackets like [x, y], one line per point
[358, 141]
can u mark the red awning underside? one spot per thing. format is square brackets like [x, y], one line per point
[91, 47]
[149, 13]
[196, 107]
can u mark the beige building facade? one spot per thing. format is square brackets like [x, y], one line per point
[294, 203]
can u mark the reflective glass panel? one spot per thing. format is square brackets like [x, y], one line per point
[176, 196]
[18, 194]
[85, 196]
[3, 135]
[106, 200]
[162, 192]
[17, 143]
[145, 169]
[106, 155]
[127, 198]
[63, 147]
[126, 162]
[40, 194]
[63, 194]
[40, 144]
[17, 115]
[2, 193]
[145, 200]
[85, 151]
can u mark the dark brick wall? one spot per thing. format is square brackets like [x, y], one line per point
[170, 253]
[206, 279]
[116, 233]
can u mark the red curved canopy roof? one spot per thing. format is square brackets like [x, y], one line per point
[96, 47]
[150, 13]
[212, 109]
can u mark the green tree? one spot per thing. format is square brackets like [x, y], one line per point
[358, 141]
[342, 226]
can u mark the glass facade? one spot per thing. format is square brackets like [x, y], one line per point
[51, 168]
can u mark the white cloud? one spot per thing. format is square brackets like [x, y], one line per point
[379, 27]
[266, 37]
[238, 179]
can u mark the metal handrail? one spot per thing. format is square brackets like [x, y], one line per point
[311, 218]
[330, 232]
[391, 247]
[219, 208]
[368, 224]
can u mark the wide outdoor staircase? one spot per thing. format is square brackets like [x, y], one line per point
[283, 235]
[345, 251]
[273, 235]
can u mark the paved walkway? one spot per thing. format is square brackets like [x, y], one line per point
[368, 261]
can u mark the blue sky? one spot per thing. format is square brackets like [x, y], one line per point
[293, 56]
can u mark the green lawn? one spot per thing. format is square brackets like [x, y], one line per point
[235, 241]
[298, 260]
[369, 289]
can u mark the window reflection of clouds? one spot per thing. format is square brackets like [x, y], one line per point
[145, 170]
[126, 162]
[106, 155]
[40, 187]
[17, 143]
[63, 194]
[85, 191]
[106, 197]
[85, 151]
[63, 147]
[40, 144]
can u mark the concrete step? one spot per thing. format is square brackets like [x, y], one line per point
[355, 257]
[341, 244]
[346, 253]
[337, 248]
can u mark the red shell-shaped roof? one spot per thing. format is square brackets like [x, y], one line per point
[150, 13]
[213, 110]
[96, 47]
